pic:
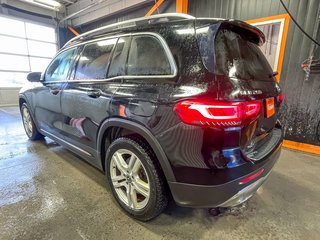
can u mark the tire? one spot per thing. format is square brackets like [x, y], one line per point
[28, 124]
[143, 207]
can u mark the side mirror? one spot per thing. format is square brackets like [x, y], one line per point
[34, 77]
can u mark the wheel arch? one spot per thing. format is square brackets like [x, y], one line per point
[22, 100]
[140, 130]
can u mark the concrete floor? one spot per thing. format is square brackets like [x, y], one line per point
[46, 192]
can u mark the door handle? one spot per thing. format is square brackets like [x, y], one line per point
[94, 93]
[54, 91]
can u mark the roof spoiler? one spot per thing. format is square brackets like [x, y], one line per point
[249, 32]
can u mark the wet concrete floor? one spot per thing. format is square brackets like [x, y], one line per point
[46, 192]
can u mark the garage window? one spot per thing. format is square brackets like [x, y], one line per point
[147, 57]
[93, 62]
[25, 47]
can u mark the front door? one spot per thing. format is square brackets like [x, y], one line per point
[47, 98]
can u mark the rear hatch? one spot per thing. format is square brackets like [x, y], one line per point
[230, 50]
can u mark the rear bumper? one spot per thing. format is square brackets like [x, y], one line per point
[224, 195]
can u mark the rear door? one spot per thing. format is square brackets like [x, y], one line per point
[87, 97]
[148, 67]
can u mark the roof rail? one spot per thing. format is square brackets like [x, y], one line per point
[132, 22]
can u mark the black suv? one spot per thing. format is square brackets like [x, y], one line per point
[167, 106]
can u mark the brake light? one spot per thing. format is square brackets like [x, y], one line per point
[280, 98]
[218, 114]
[251, 177]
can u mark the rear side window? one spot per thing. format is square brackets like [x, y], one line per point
[59, 67]
[119, 58]
[147, 57]
[93, 62]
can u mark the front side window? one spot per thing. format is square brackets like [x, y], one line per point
[93, 62]
[147, 57]
[59, 67]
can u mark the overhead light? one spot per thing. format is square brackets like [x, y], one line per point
[48, 4]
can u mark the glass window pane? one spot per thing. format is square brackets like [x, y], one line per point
[147, 57]
[42, 49]
[39, 64]
[14, 63]
[39, 32]
[118, 63]
[12, 27]
[59, 68]
[13, 79]
[94, 60]
[269, 49]
[13, 45]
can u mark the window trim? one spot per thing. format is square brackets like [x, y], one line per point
[156, 35]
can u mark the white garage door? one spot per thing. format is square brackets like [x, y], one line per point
[24, 47]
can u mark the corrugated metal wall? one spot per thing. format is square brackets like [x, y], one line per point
[301, 110]
[167, 6]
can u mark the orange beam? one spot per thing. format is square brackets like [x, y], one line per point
[155, 6]
[301, 146]
[73, 30]
[182, 6]
[286, 18]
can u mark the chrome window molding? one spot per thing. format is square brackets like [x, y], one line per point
[156, 35]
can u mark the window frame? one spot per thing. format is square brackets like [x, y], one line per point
[158, 36]
[126, 57]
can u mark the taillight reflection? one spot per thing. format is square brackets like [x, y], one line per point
[280, 98]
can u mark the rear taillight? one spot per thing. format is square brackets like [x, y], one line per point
[280, 98]
[218, 114]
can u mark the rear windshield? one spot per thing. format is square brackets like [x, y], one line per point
[225, 52]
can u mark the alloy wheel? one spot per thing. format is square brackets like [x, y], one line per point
[130, 179]
[27, 121]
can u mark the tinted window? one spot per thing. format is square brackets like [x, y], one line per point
[59, 67]
[236, 57]
[93, 62]
[119, 58]
[228, 53]
[147, 57]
